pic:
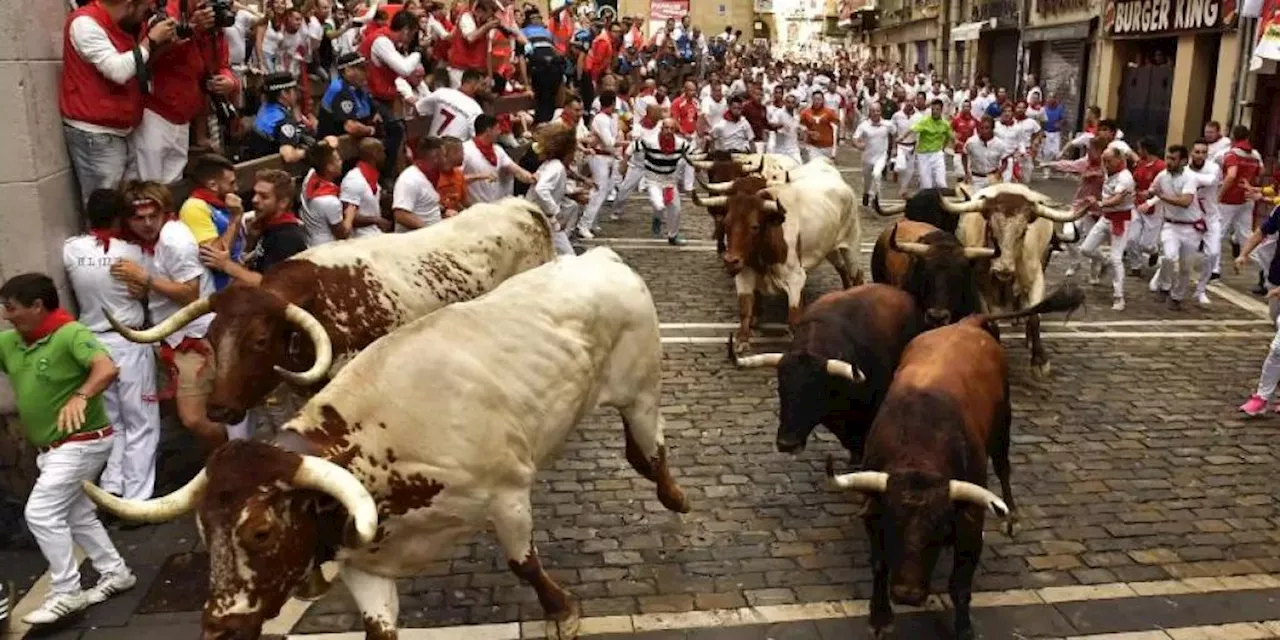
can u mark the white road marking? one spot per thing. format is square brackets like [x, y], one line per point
[775, 614]
[1085, 324]
[1017, 336]
[1243, 300]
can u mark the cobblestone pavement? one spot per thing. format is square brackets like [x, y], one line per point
[1130, 465]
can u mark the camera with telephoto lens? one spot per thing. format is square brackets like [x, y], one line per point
[224, 16]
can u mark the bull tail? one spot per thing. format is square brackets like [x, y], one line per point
[1065, 299]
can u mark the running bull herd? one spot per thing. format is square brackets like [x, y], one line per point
[444, 367]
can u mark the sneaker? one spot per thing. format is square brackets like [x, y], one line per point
[585, 234]
[110, 585]
[655, 227]
[1254, 406]
[1215, 276]
[1175, 305]
[1071, 271]
[866, 199]
[676, 241]
[56, 607]
[1117, 304]
[1095, 274]
[614, 217]
[1154, 284]
[1202, 299]
[1162, 295]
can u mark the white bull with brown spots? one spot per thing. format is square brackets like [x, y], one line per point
[429, 435]
[1020, 222]
[344, 295]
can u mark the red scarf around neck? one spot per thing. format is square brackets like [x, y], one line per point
[52, 322]
[731, 116]
[486, 149]
[209, 196]
[648, 122]
[667, 142]
[318, 186]
[370, 174]
[104, 237]
[283, 219]
[568, 119]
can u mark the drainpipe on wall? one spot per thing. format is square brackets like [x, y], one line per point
[1240, 83]
[944, 13]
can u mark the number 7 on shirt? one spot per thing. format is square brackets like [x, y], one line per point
[446, 116]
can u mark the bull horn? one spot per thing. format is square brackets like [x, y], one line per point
[864, 481]
[1059, 215]
[155, 510]
[964, 190]
[713, 201]
[319, 339]
[979, 253]
[321, 475]
[771, 206]
[715, 187]
[762, 360]
[959, 207]
[166, 328]
[846, 370]
[704, 165]
[697, 156]
[913, 248]
[891, 210]
[962, 491]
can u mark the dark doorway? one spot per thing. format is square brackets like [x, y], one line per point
[1146, 91]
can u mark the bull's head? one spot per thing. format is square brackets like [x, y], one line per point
[808, 386]
[915, 513]
[1009, 209]
[269, 518]
[753, 231]
[942, 278]
[251, 338]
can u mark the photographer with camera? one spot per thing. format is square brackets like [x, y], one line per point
[381, 49]
[100, 97]
[469, 49]
[187, 76]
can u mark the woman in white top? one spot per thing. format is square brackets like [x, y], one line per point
[556, 143]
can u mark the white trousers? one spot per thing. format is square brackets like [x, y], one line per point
[1083, 226]
[162, 148]
[933, 170]
[1091, 247]
[1179, 244]
[134, 411]
[1050, 146]
[1143, 238]
[1212, 249]
[602, 173]
[873, 173]
[684, 173]
[60, 515]
[1237, 221]
[628, 185]
[669, 213]
[905, 164]
[567, 219]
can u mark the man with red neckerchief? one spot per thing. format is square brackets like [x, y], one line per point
[645, 129]
[684, 110]
[360, 191]
[184, 75]
[273, 235]
[1241, 166]
[322, 211]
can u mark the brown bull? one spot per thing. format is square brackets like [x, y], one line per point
[721, 168]
[925, 459]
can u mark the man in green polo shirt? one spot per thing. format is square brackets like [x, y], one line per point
[933, 134]
[58, 371]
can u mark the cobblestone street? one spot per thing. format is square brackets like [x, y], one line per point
[1131, 467]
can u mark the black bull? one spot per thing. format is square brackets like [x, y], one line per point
[845, 348]
[932, 266]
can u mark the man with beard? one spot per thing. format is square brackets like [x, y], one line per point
[322, 212]
[380, 49]
[487, 166]
[360, 188]
[274, 234]
[903, 121]
[785, 124]
[733, 133]
[1207, 199]
[1173, 191]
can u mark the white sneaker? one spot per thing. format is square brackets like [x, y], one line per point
[1117, 304]
[56, 607]
[1154, 285]
[614, 217]
[585, 233]
[1071, 271]
[1202, 299]
[110, 585]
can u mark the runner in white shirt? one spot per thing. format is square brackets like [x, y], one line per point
[1218, 143]
[713, 80]
[415, 203]
[786, 123]
[322, 210]
[1174, 193]
[602, 162]
[904, 162]
[1207, 200]
[486, 165]
[1115, 207]
[453, 111]
[733, 132]
[1019, 135]
[874, 137]
[359, 191]
[130, 401]
[984, 154]
[713, 108]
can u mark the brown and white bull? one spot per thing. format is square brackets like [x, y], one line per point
[925, 462]
[344, 295]
[776, 234]
[429, 435]
[1020, 222]
[772, 166]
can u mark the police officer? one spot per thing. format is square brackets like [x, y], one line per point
[275, 130]
[346, 107]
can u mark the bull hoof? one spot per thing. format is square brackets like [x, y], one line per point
[566, 626]
[882, 633]
[673, 499]
[1011, 526]
[1040, 372]
[315, 588]
[741, 345]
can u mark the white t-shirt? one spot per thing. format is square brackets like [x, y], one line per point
[475, 164]
[177, 258]
[453, 113]
[289, 51]
[1207, 186]
[706, 91]
[733, 136]
[785, 138]
[1116, 183]
[605, 127]
[236, 35]
[88, 267]
[356, 190]
[713, 111]
[1185, 183]
[902, 124]
[319, 215]
[985, 155]
[876, 138]
[415, 193]
[1219, 147]
[1017, 135]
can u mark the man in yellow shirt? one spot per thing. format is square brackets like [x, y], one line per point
[214, 211]
[933, 135]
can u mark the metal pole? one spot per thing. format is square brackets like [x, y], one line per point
[945, 16]
[1247, 37]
